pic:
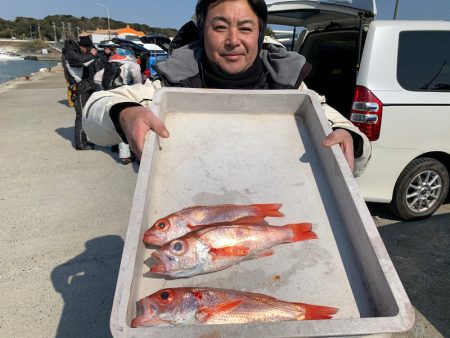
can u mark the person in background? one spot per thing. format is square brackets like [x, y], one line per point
[78, 61]
[120, 69]
[106, 49]
[228, 55]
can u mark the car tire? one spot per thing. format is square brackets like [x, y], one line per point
[420, 189]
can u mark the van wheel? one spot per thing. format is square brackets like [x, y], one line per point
[420, 189]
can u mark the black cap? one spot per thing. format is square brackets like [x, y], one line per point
[85, 41]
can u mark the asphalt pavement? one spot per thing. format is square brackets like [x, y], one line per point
[64, 215]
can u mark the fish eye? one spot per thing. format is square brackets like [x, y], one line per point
[162, 226]
[166, 296]
[178, 247]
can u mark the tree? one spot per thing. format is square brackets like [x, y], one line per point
[24, 26]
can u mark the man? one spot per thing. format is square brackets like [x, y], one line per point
[78, 62]
[228, 55]
[121, 68]
[103, 56]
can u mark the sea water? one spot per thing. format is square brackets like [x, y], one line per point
[11, 69]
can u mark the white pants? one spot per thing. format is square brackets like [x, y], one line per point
[124, 150]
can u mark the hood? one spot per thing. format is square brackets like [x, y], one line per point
[318, 14]
[284, 67]
[275, 59]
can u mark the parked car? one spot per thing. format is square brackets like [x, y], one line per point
[392, 79]
[141, 53]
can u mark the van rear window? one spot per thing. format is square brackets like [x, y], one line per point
[424, 60]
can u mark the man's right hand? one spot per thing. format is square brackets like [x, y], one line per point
[136, 122]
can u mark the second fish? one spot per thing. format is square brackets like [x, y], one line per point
[219, 247]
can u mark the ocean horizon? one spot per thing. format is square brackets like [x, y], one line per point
[12, 69]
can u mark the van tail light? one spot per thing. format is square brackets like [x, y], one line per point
[366, 112]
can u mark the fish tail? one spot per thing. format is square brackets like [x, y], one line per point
[267, 210]
[301, 232]
[318, 311]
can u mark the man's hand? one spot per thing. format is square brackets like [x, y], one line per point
[345, 141]
[136, 122]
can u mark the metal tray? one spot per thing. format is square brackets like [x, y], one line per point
[245, 147]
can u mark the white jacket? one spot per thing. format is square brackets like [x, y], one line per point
[100, 129]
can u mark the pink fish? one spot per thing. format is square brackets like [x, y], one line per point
[181, 222]
[188, 306]
[218, 247]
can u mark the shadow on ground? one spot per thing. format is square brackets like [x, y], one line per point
[420, 251]
[68, 133]
[87, 283]
[64, 103]
[381, 210]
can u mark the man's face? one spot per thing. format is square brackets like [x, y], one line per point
[84, 50]
[231, 35]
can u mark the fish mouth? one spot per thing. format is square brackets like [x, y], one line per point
[142, 321]
[145, 315]
[158, 264]
[153, 239]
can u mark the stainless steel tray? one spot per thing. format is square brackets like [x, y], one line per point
[245, 147]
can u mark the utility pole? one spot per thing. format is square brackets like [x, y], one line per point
[396, 9]
[31, 33]
[69, 30]
[39, 31]
[78, 32]
[54, 31]
[63, 36]
[107, 11]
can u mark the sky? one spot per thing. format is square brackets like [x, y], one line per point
[174, 13]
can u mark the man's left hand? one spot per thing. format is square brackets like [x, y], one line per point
[345, 141]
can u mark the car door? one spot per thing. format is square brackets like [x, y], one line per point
[331, 39]
[319, 14]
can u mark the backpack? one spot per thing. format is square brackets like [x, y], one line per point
[111, 76]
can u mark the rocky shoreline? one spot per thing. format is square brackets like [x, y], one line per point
[18, 50]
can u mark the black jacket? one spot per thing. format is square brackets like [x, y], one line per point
[74, 63]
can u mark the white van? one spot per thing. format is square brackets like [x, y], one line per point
[392, 79]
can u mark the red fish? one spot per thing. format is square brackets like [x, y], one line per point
[218, 247]
[188, 306]
[181, 222]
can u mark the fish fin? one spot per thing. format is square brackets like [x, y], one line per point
[205, 313]
[265, 254]
[301, 232]
[268, 210]
[311, 312]
[232, 251]
[194, 227]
